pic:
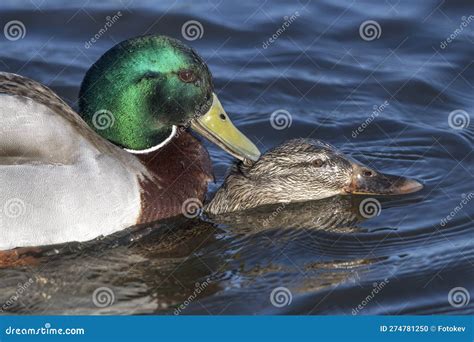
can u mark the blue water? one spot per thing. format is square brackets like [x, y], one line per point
[328, 78]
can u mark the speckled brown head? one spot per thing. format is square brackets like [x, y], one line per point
[302, 170]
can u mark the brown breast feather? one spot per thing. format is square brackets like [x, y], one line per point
[181, 170]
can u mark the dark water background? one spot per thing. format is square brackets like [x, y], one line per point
[329, 79]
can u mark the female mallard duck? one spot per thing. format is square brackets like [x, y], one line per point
[302, 170]
[125, 159]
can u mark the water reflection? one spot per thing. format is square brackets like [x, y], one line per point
[338, 214]
[178, 263]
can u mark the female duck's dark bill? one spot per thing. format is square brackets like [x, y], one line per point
[366, 181]
[216, 126]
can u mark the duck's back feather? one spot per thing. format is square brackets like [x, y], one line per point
[47, 106]
[31, 133]
[59, 181]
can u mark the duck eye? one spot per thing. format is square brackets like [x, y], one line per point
[187, 76]
[318, 162]
[367, 173]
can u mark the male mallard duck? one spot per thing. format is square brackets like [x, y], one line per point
[302, 170]
[126, 159]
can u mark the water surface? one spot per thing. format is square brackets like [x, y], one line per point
[320, 70]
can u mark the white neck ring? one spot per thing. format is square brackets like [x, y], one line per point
[174, 129]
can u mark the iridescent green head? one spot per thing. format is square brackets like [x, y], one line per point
[142, 87]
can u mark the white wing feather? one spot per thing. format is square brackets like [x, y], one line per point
[55, 185]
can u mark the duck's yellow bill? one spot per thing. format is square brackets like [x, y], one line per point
[216, 126]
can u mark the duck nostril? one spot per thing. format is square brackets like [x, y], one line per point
[367, 173]
[222, 116]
